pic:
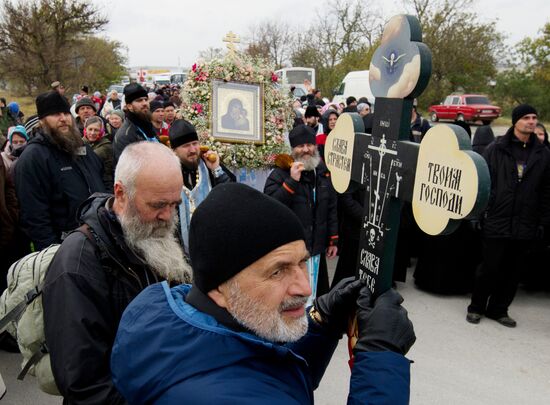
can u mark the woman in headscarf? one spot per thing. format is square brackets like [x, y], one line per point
[17, 139]
[94, 134]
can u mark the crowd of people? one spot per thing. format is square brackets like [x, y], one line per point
[173, 281]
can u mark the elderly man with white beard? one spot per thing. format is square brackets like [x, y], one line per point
[307, 190]
[125, 243]
[241, 334]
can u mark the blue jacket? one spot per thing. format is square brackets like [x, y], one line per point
[167, 352]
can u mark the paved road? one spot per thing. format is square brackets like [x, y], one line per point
[454, 362]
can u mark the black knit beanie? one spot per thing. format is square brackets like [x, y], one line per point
[301, 134]
[232, 228]
[132, 92]
[51, 103]
[181, 132]
[155, 105]
[522, 110]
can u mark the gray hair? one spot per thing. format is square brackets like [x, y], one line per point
[94, 120]
[138, 155]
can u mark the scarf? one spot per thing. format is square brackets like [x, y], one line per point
[191, 200]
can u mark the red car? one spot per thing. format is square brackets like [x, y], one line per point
[465, 107]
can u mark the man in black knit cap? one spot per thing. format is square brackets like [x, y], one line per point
[137, 126]
[241, 333]
[517, 214]
[201, 172]
[56, 172]
[307, 190]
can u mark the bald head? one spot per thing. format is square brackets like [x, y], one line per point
[146, 160]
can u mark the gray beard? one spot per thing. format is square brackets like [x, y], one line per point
[156, 244]
[265, 322]
[309, 163]
[69, 143]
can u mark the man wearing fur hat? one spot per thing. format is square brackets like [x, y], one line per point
[241, 333]
[518, 212]
[307, 190]
[201, 172]
[56, 172]
[137, 126]
[127, 242]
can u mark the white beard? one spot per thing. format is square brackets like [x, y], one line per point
[265, 322]
[310, 162]
[156, 244]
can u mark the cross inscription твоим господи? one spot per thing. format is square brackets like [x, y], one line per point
[443, 178]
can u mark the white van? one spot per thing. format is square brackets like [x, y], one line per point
[355, 84]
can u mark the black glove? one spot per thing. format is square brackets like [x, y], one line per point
[384, 326]
[337, 306]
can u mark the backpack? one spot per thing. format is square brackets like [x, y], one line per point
[21, 313]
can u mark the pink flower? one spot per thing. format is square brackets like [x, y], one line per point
[197, 107]
[194, 67]
[274, 77]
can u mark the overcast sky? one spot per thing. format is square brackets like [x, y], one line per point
[172, 32]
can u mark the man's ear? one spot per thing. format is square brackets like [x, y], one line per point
[217, 296]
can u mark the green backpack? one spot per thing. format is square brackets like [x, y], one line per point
[21, 312]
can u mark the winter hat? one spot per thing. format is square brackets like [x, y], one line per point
[51, 103]
[169, 104]
[155, 105]
[312, 111]
[301, 134]
[522, 110]
[132, 92]
[84, 101]
[182, 132]
[85, 89]
[14, 108]
[350, 100]
[241, 225]
[120, 113]
[55, 85]
[19, 130]
[361, 107]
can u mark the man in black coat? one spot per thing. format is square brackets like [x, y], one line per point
[137, 126]
[307, 190]
[56, 172]
[517, 214]
[126, 244]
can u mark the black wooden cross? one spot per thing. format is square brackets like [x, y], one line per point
[442, 178]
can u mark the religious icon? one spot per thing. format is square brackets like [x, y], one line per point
[235, 117]
[237, 112]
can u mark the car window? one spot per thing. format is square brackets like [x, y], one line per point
[448, 100]
[456, 100]
[477, 100]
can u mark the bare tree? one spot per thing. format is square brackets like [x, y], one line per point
[211, 53]
[271, 40]
[39, 40]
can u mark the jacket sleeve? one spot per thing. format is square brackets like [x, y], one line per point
[122, 139]
[33, 188]
[226, 177]
[281, 187]
[379, 378]
[79, 325]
